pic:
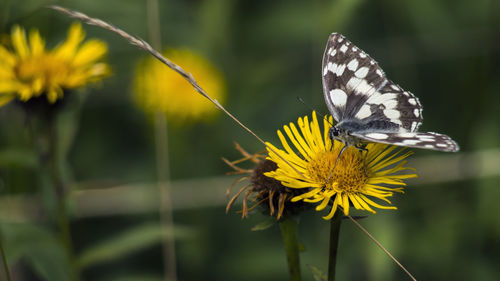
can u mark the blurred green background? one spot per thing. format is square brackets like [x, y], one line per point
[446, 226]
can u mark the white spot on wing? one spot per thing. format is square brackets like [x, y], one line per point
[390, 104]
[407, 135]
[392, 114]
[394, 87]
[412, 101]
[379, 72]
[426, 138]
[360, 86]
[340, 39]
[378, 136]
[353, 65]
[378, 98]
[333, 53]
[416, 112]
[336, 69]
[411, 141]
[363, 112]
[362, 55]
[354, 49]
[362, 72]
[343, 48]
[442, 145]
[338, 97]
[413, 126]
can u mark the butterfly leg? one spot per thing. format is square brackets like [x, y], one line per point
[336, 161]
[362, 147]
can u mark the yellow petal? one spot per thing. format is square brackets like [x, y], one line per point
[297, 140]
[323, 204]
[54, 93]
[4, 99]
[19, 41]
[67, 50]
[334, 208]
[6, 73]
[345, 203]
[6, 57]
[37, 44]
[89, 52]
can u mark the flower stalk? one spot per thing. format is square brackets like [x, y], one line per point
[43, 122]
[288, 228]
[162, 161]
[334, 242]
[60, 189]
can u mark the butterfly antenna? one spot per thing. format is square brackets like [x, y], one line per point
[312, 109]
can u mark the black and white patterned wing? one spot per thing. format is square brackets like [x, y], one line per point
[428, 140]
[356, 89]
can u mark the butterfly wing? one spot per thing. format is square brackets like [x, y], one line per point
[428, 140]
[357, 90]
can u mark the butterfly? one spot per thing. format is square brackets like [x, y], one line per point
[367, 106]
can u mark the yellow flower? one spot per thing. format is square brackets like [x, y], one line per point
[29, 70]
[358, 175]
[159, 89]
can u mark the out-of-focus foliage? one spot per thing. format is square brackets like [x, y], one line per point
[445, 52]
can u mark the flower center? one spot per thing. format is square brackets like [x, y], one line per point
[50, 69]
[349, 174]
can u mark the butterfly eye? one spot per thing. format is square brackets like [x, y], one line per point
[334, 132]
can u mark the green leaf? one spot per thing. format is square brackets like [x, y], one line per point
[126, 243]
[264, 225]
[37, 245]
[317, 273]
[17, 156]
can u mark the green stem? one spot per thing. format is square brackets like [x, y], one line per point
[4, 260]
[162, 160]
[334, 242]
[60, 190]
[289, 234]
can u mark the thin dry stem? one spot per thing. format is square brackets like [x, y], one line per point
[141, 44]
[382, 247]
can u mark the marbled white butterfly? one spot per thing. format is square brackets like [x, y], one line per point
[368, 106]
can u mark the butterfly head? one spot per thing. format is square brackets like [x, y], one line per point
[341, 134]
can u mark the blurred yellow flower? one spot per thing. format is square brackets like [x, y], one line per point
[29, 70]
[357, 176]
[157, 88]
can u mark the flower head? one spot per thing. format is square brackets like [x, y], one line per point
[357, 177]
[263, 190]
[29, 70]
[158, 88]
